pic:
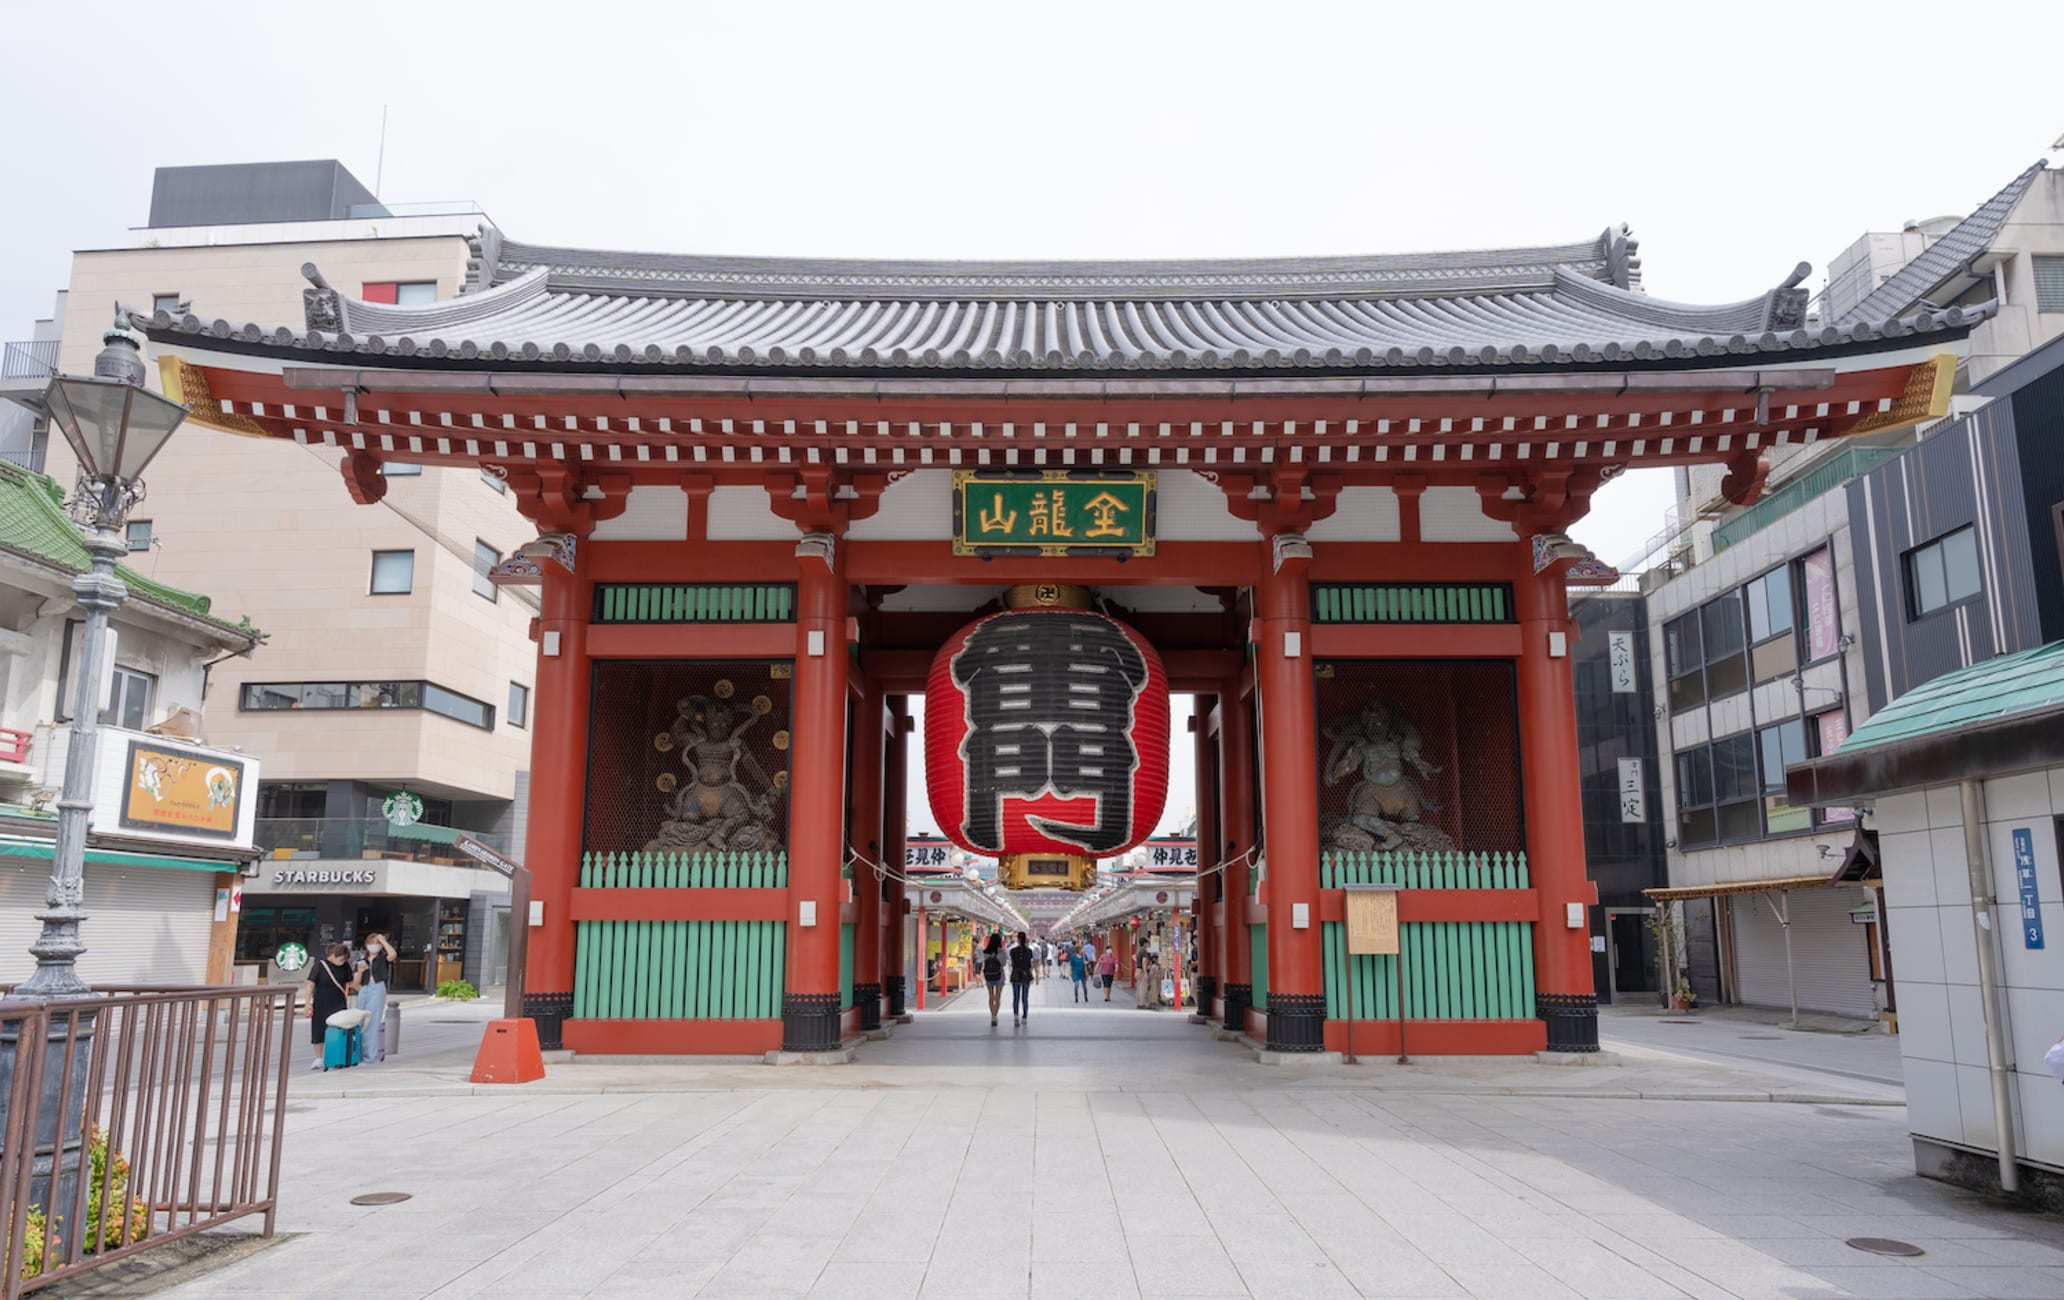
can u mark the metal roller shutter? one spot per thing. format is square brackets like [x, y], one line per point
[145, 925]
[1829, 954]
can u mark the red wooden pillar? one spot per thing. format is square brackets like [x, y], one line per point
[817, 801]
[558, 793]
[866, 836]
[1290, 800]
[1563, 994]
[895, 829]
[1205, 912]
[1236, 815]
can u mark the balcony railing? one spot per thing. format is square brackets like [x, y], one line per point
[367, 838]
[1824, 477]
[29, 359]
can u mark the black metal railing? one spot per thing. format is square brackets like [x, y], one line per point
[134, 1117]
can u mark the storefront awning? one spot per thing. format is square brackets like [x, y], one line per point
[1775, 884]
[12, 846]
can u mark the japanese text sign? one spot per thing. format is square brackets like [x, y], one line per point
[1633, 795]
[1053, 512]
[193, 792]
[1620, 659]
[2024, 879]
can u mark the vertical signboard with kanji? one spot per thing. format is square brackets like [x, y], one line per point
[2024, 881]
[1619, 656]
[1633, 796]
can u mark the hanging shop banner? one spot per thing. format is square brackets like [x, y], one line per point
[1619, 655]
[2024, 877]
[194, 792]
[1046, 731]
[917, 854]
[1053, 512]
[1633, 797]
[1172, 855]
[1823, 630]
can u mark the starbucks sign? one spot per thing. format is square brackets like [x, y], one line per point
[290, 957]
[402, 808]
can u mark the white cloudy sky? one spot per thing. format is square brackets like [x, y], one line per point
[1737, 139]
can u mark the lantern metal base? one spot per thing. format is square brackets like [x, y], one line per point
[1067, 871]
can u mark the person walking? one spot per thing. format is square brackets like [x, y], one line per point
[1021, 965]
[1107, 972]
[374, 973]
[992, 972]
[329, 991]
[1078, 972]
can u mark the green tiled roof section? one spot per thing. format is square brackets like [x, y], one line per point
[1969, 697]
[33, 522]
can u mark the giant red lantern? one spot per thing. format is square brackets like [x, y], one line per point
[1046, 733]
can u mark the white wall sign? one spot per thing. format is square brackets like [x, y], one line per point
[1619, 657]
[1633, 796]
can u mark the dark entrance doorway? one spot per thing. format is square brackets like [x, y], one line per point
[1631, 951]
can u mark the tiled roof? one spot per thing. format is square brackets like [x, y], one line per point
[1913, 285]
[1557, 307]
[33, 524]
[1989, 692]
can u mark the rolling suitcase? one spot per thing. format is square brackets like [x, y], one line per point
[340, 1048]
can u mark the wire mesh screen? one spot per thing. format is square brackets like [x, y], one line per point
[688, 756]
[1418, 756]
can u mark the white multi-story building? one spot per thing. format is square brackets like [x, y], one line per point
[392, 664]
[1756, 640]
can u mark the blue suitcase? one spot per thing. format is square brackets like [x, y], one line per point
[340, 1048]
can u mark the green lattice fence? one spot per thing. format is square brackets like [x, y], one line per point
[1448, 869]
[768, 870]
[1257, 940]
[673, 970]
[694, 602]
[1412, 602]
[1454, 970]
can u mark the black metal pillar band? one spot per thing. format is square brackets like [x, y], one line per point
[1296, 1022]
[892, 987]
[1238, 998]
[1572, 1020]
[1207, 989]
[549, 1012]
[809, 1022]
[868, 998]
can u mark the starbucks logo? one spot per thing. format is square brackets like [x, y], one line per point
[290, 957]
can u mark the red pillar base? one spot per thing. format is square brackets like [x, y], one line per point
[509, 1053]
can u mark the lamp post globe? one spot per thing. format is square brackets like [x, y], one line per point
[115, 426]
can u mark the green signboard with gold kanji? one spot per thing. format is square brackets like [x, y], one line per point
[1052, 512]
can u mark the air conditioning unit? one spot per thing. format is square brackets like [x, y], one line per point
[181, 723]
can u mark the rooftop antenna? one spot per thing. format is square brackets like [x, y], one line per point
[380, 167]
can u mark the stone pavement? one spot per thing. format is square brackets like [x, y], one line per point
[1112, 1152]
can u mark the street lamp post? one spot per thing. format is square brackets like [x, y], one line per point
[115, 426]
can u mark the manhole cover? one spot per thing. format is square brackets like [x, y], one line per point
[392, 1198]
[1885, 1246]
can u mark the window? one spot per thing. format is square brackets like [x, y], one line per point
[519, 704]
[1781, 746]
[138, 534]
[2049, 283]
[1942, 573]
[266, 696]
[293, 799]
[401, 293]
[1774, 647]
[1687, 661]
[1695, 825]
[485, 557]
[1720, 623]
[396, 469]
[1717, 793]
[166, 302]
[129, 700]
[394, 573]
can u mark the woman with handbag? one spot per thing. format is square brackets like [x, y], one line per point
[329, 991]
[373, 976]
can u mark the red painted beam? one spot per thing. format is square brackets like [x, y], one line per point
[679, 905]
[1403, 641]
[691, 641]
[673, 1037]
[1173, 564]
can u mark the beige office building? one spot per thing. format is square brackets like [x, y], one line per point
[391, 663]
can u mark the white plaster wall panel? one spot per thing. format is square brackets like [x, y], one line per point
[1913, 884]
[1455, 514]
[1974, 1100]
[743, 514]
[915, 508]
[2056, 779]
[1950, 866]
[1966, 1022]
[1900, 812]
[1923, 1019]
[1191, 508]
[2040, 1109]
[1944, 808]
[2034, 1025]
[1959, 956]
[1360, 514]
[2025, 797]
[1933, 1108]
[652, 513]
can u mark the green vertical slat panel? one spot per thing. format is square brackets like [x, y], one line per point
[712, 969]
[755, 969]
[748, 969]
[1479, 984]
[668, 1002]
[778, 966]
[723, 969]
[1508, 973]
[581, 951]
[1329, 941]
[641, 971]
[605, 970]
[1526, 967]
[696, 983]
[1523, 872]
[1257, 947]
[1443, 971]
[734, 950]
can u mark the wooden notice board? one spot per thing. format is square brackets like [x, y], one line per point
[1372, 924]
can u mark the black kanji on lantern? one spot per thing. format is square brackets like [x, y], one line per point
[1050, 710]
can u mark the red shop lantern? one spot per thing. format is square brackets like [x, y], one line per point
[1046, 738]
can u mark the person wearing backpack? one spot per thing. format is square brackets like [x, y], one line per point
[992, 972]
[1021, 966]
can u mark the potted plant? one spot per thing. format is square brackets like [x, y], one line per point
[1681, 997]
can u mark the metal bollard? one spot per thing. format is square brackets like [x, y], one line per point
[392, 1029]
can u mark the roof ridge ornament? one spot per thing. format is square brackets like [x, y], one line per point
[322, 307]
